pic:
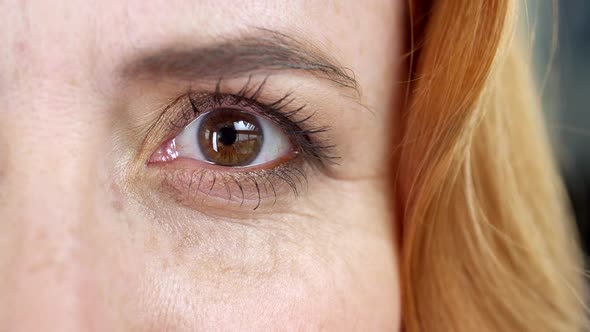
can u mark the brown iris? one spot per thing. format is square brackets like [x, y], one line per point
[230, 137]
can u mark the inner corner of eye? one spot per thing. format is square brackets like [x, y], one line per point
[228, 137]
[165, 153]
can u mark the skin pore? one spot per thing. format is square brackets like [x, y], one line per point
[94, 236]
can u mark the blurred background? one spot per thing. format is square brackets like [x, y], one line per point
[562, 46]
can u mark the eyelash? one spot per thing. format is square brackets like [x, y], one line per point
[306, 138]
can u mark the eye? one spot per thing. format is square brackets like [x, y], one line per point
[237, 148]
[229, 137]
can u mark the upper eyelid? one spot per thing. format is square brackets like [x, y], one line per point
[180, 113]
[247, 96]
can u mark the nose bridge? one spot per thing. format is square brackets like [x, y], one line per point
[43, 265]
[48, 209]
[53, 132]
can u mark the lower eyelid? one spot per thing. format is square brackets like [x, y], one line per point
[196, 187]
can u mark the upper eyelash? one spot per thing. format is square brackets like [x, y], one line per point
[299, 131]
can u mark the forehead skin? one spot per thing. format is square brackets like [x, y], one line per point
[95, 37]
[77, 254]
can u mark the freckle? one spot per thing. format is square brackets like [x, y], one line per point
[165, 264]
[117, 203]
[20, 47]
[152, 243]
[117, 206]
[337, 9]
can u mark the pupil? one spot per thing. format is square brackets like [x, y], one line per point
[227, 136]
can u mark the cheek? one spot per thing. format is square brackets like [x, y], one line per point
[335, 272]
[321, 300]
[302, 292]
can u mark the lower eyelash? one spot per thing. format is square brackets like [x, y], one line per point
[254, 188]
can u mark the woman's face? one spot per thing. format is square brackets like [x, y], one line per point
[198, 165]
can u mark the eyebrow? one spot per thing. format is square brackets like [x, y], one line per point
[265, 50]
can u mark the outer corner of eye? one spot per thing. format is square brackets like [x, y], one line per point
[228, 137]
